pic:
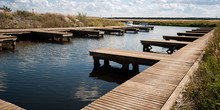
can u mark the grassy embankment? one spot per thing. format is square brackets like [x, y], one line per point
[24, 19]
[188, 23]
[203, 91]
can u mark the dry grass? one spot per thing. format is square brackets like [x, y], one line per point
[24, 19]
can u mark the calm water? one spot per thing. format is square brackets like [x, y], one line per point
[54, 76]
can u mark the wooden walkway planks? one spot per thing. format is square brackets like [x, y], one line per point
[8, 106]
[155, 87]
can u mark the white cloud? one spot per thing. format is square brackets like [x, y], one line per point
[174, 8]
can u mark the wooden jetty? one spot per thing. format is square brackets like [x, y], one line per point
[87, 33]
[52, 35]
[143, 28]
[190, 34]
[125, 58]
[197, 31]
[180, 38]
[156, 87]
[8, 106]
[7, 41]
[133, 29]
[111, 31]
[171, 45]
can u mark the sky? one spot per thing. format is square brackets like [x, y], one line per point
[121, 8]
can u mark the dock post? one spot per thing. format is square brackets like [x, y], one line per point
[96, 63]
[125, 66]
[106, 63]
[68, 39]
[135, 67]
[170, 50]
[61, 39]
[147, 48]
[13, 44]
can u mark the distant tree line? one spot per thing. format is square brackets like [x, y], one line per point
[167, 18]
[7, 9]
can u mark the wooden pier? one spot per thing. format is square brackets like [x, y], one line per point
[87, 33]
[52, 35]
[190, 34]
[156, 87]
[131, 29]
[143, 28]
[7, 41]
[125, 58]
[180, 38]
[8, 106]
[111, 31]
[171, 45]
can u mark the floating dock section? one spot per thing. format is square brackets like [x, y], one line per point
[111, 31]
[180, 38]
[172, 45]
[7, 42]
[51, 35]
[190, 34]
[87, 33]
[156, 87]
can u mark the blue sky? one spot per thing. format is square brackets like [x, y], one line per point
[123, 8]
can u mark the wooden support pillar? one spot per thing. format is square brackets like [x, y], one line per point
[96, 63]
[61, 39]
[68, 39]
[106, 63]
[125, 66]
[13, 44]
[146, 48]
[135, 67]
[53, 38]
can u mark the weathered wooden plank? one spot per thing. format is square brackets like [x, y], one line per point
[8, 106]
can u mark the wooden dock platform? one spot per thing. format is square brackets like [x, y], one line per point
[171, 45]
[125, 57]
[143, 28]
[197, 31]
[158, 86]
[52, 35]
[190, 34]
[87, 33]
[8, 106]
[111, 31]
[7, 41]
[180, 38]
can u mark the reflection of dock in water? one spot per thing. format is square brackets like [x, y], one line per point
[112, 74]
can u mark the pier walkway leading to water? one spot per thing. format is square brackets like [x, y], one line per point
[8, 106]
[156, 87]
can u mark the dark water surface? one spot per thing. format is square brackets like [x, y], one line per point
[40, 76]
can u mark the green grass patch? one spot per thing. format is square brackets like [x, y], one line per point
[203, 91]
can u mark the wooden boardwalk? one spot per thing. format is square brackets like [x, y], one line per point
[156, 87]
[8, 106]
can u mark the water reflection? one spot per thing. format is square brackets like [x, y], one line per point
[112, 74]
[3, 85]
[87, 93]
